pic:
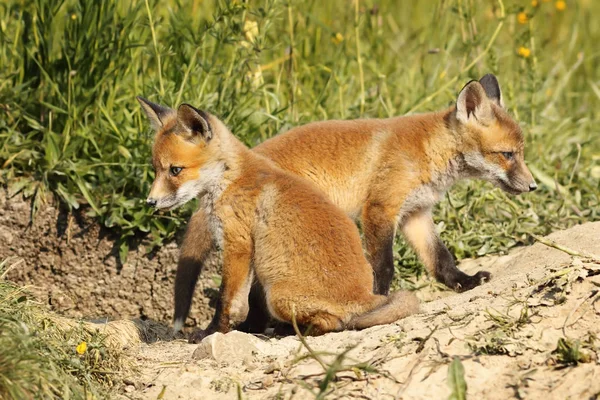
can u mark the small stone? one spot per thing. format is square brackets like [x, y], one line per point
[250, 364]
[272, 367]
[60, 300]
[268, 381]
[524, 364]
[7, 237]
[227, 348]
[128, 382]
[130, 388]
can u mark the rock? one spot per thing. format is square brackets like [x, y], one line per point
[7, 237]
[250, 364]
[272, 367]
[268, 381]
[60, 300]
[228, 348]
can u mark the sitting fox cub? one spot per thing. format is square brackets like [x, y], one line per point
[273, 227]
[389, 173]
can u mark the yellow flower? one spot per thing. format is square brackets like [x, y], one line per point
[337, 38]
[250, 32]
[73, 16]
[524, 52]
[522, 18]
[560, 5]
[534, 3]
[81, 348]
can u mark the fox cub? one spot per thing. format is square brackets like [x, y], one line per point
[389, 173]
[274, 228]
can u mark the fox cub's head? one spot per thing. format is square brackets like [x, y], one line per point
[493, 140]
[184, 161]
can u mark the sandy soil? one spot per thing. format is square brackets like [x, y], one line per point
[505, 333]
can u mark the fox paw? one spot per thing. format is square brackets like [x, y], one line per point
[198, 335]
[252, 327]
[470, 282]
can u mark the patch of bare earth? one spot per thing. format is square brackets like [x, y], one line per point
[506, 334]
[72, 265]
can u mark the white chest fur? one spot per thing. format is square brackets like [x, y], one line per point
[213, 186]
[428, 195]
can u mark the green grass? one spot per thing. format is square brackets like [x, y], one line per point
[39, 358]
[70, 125]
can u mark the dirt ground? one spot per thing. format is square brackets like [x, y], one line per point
[73, 267]
[506, 334]
[529, 333]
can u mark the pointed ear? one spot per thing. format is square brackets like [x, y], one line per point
[492, 89]
[194, 123]
[473, 104]
[155, 112]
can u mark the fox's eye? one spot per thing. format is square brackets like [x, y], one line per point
[175, 170]
[509, 155]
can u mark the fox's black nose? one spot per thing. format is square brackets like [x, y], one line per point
[532, 186]
[151, 202]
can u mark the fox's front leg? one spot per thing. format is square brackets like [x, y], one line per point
[419, 230]
[235, 285]
[197, 245]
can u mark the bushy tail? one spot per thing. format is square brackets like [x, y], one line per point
[396, 306]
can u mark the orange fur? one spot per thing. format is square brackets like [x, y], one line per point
[391, 172]
[273, 226]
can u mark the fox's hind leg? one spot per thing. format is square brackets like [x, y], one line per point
[311, 318]
[379, 226]
[258, 313]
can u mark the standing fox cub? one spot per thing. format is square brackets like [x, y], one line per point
[389, 173]
[274, 228]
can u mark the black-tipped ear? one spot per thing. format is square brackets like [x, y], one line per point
[156, 113]
[492, 89]
[473, 103]
[194, 122]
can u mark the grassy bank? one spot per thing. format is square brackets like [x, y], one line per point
[43, 357]
[70, 125]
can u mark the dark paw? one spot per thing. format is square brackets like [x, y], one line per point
[284, 329]
[383, 290]
[198, 335]
[249, 327]
[470, 282]
[483, 277]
